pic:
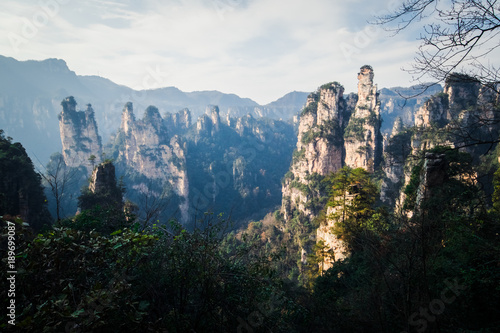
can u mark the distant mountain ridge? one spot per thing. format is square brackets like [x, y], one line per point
[31, 92]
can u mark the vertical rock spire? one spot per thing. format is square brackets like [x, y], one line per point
[363, 141]
[79, 135]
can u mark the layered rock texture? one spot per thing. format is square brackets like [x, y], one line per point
[144, 147]
[319, 147]
[335, 246]
[462, 117]
[334, 131]
[233, 166]
[363, 141]
[79, 135]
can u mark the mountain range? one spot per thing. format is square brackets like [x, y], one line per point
[31, 93]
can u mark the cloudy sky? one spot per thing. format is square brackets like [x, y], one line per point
[259, 49]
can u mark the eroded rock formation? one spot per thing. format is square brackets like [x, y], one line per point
[363, 141]
[145, 147]
[334, 130]
[79, 135]
[319, 146]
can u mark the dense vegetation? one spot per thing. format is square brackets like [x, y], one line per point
[431, 267]
[20, 188]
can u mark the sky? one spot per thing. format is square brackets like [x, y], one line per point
[259, 49]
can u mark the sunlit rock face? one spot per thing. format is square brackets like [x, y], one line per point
[144, 145]
[363, 141]
[334, 130]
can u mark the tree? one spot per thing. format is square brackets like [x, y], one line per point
[353, 195]
[152, 204]
[92, 159]
[21, 192]
[463, 34]
[58, 177]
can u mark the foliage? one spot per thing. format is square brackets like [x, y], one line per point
[449, 247]
[288, 176]
[352, 196]
[21, 192]
[355, 129]
[331, 86]
[159, 279]
[80, 279]
[312, 108]
[298, 155]
[496, 193]
[411, 189]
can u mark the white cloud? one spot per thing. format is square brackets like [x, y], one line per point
[260, 49]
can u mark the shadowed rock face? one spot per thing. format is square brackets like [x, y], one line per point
[103, 177]
[79, 135]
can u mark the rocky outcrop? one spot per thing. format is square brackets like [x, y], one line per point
[103, 181]
[208, 124]
[79, 135]
[400, 102]
[336, 247]
[334, 130]
[182, 119]
[459, 117]
[319, 146]
[363, 141]
[433, 174]
[396, 150]
[177, 123]
[249, 126]
[144, 147]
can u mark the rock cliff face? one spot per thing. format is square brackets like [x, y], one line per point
[331, 242]
[145, 148]
[461, 116]
[363, 141]
[231, 165]
[79, 135]
[103, 183]
[208, 124]
[334, 130]
[397, 149]
[433, 174]
[103, 177]
[319, 146]
[399, 102]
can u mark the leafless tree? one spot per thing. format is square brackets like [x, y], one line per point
[151, 204]
[58, 177]
[461, 36]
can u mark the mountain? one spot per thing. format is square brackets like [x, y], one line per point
[334, 131]
[31, 93]
[400, 102]
[173, 167]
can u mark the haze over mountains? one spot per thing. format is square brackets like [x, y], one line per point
[31, 93]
